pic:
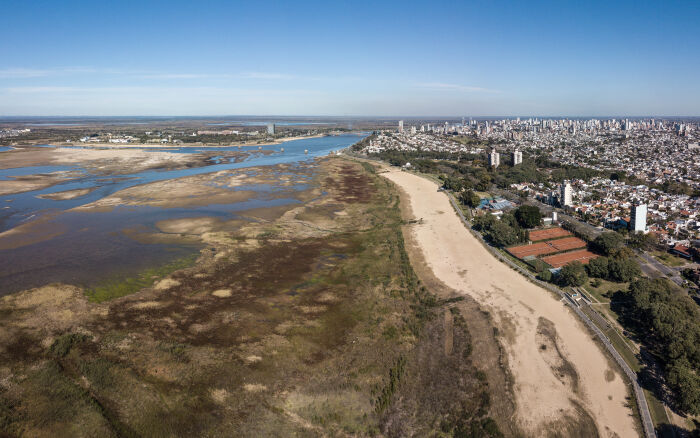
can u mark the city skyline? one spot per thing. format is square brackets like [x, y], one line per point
[392, 59]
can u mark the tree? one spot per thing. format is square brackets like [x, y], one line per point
[484, 222]
[668, 321]
[484, 182]
[643, 241]
[687, 384]
[452, 183]
[469, 198]
[623, 269]
[502, 234]
[623, 253]
[573, 274]
[608, 243]
[598, 267]
[528, 216]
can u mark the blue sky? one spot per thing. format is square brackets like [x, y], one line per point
[350, 58]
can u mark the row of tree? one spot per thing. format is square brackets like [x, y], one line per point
[619, 269]
[668, 322]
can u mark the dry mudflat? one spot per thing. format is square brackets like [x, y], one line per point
[563, 382]
[66, 194]
[298, 320]
[222, 187]
[112, 162]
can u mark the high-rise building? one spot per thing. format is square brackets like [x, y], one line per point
[565, 194]
[271, 128]
[400, 125]
[517, 157]
[494, 158]
[413, 129]
[638, 218]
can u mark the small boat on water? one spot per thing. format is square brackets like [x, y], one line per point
[306, 151]
[281, 149]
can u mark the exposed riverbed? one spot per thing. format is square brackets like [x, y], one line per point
[79, 217]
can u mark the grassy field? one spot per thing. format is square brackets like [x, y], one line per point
[602, 292]
[669, 259]
[318, 329]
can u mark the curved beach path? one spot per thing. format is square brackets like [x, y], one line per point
[562, 379]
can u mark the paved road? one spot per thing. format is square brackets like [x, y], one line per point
[650, 261]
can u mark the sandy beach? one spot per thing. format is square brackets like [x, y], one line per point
[562, 378]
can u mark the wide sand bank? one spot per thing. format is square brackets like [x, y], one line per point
[562, 378]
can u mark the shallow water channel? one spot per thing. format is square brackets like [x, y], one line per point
[86, 247]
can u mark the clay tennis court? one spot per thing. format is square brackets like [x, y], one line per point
[532, 250]
[549, 233]
[567, 243]
[559, 260]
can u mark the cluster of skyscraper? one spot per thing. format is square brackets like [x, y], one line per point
[516, 127]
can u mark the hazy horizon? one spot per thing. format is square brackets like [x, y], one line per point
[269, 117]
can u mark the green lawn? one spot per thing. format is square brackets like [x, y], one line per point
[598, 293]
[669, 259]
[658, 413]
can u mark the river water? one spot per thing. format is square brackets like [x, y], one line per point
[89, 246]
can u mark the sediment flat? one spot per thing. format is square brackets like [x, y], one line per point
[301, 322]
[189, 145]
[67, 194]
[563, 381]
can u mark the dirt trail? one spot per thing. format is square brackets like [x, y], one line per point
[559, 371]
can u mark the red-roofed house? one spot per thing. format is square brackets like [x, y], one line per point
[681, 250]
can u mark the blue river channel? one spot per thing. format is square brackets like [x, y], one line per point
[89, 246]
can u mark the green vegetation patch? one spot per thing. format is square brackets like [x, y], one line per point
[116, 287]
[62, 346]
[669, 259]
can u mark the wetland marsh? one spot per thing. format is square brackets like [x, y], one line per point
[285, 305]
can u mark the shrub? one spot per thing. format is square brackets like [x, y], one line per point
[545, 275]
[63, 344]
